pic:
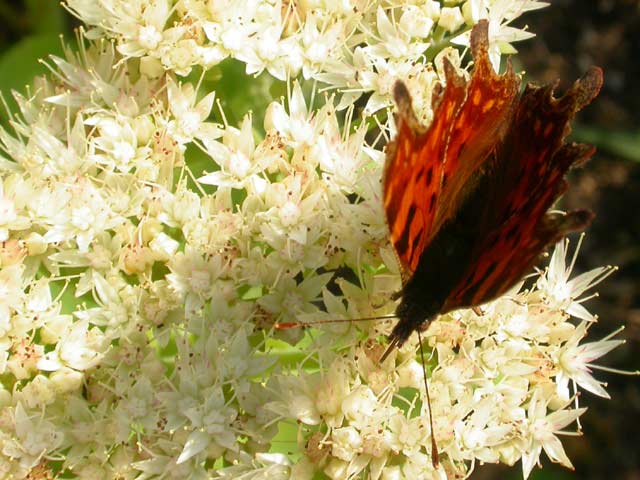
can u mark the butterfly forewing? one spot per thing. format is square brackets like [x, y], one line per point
[413, 172]
[477, 128]
[428, 172]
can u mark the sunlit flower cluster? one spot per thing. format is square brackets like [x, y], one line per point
[153, 236]
[357, 46]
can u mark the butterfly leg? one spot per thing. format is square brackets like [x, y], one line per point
[478, 311]
[393, 344]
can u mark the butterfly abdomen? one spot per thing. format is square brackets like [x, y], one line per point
[442, 264]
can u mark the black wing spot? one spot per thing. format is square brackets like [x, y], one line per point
[491, 269]
[416, 240]
[511, 233]
[412, 212]
[429, 175]
[403, 241]
[467, 281]
[432, 202]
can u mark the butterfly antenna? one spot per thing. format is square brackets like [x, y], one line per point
[435, 458]
[288, 325]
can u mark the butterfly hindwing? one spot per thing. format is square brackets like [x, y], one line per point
[526, 177]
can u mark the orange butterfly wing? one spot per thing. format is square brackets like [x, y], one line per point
[413, 172]
[420, 189]
[478, 126]
[526, 177]
[467, 199]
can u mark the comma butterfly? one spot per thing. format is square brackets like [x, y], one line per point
[467, 199]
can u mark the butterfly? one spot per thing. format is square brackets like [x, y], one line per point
[467, 199]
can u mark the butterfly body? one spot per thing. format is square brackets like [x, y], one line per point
[467, 200]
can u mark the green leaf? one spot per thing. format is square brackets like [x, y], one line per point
[20, 64]
[45, 16]
[286, 440]
[240, 93]
[251, 292]
[625, 144]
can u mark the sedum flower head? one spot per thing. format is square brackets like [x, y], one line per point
[162, 209]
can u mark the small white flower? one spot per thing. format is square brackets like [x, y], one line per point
[359, 404]
[451, 18]
[190, 115]
[565, 293]
[296, 125]
[38, 393]
[239, 161]
[80, 349]
[25, 358]
[499, 13]
[10, 219]
[346, 443]
[575, 362]
[415, 21]
[149, 37]
[332, 392]
[405, 435]
[34, 437]
[66, 380]
[289, 299]
[541, 429]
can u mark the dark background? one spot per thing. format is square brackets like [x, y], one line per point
[571, 36]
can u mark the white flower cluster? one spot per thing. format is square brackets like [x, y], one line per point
[357, 46]
[147, 251]
[502, 389]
